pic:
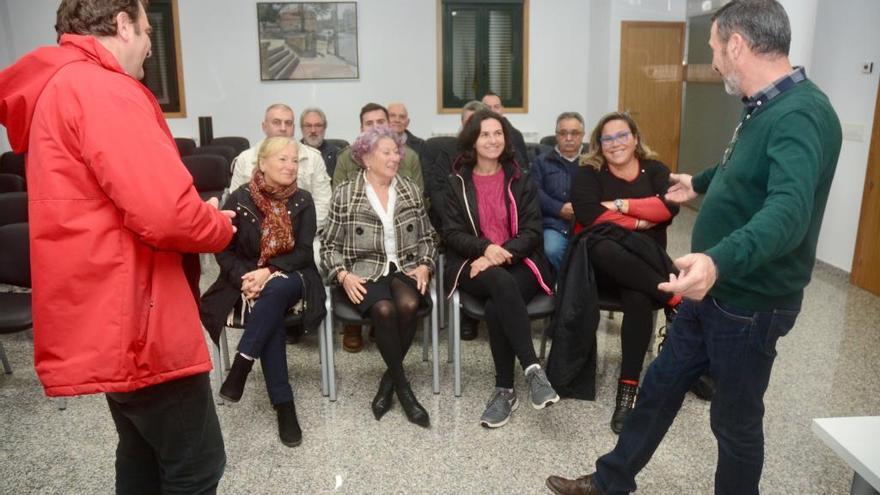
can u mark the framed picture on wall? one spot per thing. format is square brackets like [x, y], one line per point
[307, 40]
[163, 71]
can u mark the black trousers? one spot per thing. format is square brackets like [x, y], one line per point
[620, 270]
[169, 438]
[507, 290]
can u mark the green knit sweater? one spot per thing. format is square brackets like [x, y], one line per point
[761, 215]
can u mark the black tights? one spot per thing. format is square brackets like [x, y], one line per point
[394, 321]
[507, 290]
[620, 270]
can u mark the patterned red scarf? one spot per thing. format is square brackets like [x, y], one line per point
[277, 226]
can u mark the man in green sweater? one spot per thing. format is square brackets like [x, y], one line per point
[754, 247]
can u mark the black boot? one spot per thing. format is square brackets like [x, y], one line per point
[415, 413]
[626, 399]
[233, 386]
[468, 327]
[704, 387]
[288, 426]
[384, 396]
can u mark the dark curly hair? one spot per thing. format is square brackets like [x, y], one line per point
[95, 17]
[467, 138]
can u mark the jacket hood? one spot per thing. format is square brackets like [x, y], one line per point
[22, 83]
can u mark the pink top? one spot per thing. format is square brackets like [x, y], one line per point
[491, 206]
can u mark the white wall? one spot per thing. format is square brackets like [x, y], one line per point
[5, 56]
[846, 36]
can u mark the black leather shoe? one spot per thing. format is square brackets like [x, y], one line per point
[415, 413]
[233, 386]
[468, 328]
[626, 399]
[580, 486]
[704, 387]
[288, 426]
[384, 396]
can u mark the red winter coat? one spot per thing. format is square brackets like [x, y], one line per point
[111, 210]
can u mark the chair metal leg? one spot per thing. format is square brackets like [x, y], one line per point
[224, 350]
[218, 369]
[435, 361]
[6, 367]
[543, 345]
[441, 310]
[425, 330]
[62, 403]
[449, 327]
[456, 344]
[329, 348]
[322, 357]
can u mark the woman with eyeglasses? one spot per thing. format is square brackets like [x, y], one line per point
[620, 182]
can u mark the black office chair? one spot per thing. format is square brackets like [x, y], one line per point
[548, 141]
[13, 163]
[11, 183]
[210, 174]
[340, 308]
[339, 143]
[541, 306]
[185, 146]
[238, 144]
[15, 269]
[535, 150]
[13, 208]
[227, 152]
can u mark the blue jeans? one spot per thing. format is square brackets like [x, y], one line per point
[264, 337]
[555, 243]
[737, 347]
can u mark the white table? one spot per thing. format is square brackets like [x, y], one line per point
[856, 441]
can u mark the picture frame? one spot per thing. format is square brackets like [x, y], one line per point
[307, 40]
[163, 70]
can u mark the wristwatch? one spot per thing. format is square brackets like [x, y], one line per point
[618, 203]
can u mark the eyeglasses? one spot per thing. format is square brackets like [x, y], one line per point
[313, 126]
[564, 134]
[620, 137]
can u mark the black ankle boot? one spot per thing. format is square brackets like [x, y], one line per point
[384, 396]
[415, 413]
[288, 426]
[704, 387]
[626, 399]
[233, 386]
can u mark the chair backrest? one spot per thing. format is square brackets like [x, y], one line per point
[185, 146]
[437, 144]
[339, 143]
[535, 150]
[548, 141]
[13, 208]
[13, 163]
[15, 265]
[227, 152]
[238, 144]
[11, 183]
[209, 172]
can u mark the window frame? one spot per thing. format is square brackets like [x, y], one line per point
[443, 6]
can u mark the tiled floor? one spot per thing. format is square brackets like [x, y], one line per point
[827, 366]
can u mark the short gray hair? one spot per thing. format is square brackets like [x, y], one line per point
[309, 110]
[569, 115]
[763, 23]
[278, 106]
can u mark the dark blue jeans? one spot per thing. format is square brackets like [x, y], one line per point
[737, 347]
[264, 336]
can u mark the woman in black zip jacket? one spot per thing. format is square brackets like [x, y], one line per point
[493, 233]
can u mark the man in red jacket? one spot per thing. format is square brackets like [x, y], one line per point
[112, 209]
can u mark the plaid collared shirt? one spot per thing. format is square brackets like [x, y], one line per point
[353, 239]
[775, 89]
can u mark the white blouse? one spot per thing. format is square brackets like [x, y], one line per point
[387, 217]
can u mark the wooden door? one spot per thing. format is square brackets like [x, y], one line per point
[866, 259]
[651, 56]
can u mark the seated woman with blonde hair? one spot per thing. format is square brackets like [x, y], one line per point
[621, 182]
[378, 247]
[269, 266]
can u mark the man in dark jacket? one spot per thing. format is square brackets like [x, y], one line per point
[552, 172]
[313, 123]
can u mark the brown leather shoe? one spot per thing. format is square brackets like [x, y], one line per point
[351, 338]
[581, 486]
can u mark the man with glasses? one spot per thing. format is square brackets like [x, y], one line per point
[313, 123]
[753, 251]
[552, 172]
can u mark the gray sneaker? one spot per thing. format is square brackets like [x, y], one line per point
[499, 408]
[540, 391]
